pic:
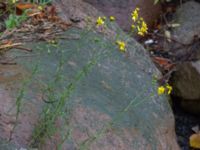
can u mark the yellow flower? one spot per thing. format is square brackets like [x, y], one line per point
[14, 1]
[112, 18]
[169, 89]
[100, 21]
[161, 90]
[135, 14]
[40, 8]
[121, 45]
[140, 31]
[143, 29]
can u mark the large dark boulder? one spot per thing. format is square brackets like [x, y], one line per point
[83, 93]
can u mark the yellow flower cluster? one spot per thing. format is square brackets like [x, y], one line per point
[162, 89]
[101, 20]
[138, 23]
[143, 29]
[121, 45]
[135, 14]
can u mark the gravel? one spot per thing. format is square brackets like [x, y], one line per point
[184, 122]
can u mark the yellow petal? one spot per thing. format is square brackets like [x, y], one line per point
[161, 90]
[169, 88]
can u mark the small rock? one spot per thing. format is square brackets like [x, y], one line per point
[195, 129]
[186, 84]
[188, 17]
[149, 41]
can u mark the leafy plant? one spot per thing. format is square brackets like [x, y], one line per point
[14, 20]
[40, 1]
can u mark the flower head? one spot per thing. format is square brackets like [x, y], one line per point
[100, 21]
[40, 8]
[132, 26]
[143, 29]
[112, 18]
[161, 90]
[121, 45]
[135, 14]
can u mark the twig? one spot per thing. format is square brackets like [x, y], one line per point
[9, 45]
[165, 78]
[7, 33]
[24, 48]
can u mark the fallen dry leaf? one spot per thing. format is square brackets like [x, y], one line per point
[22, 6]
[164, 63]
